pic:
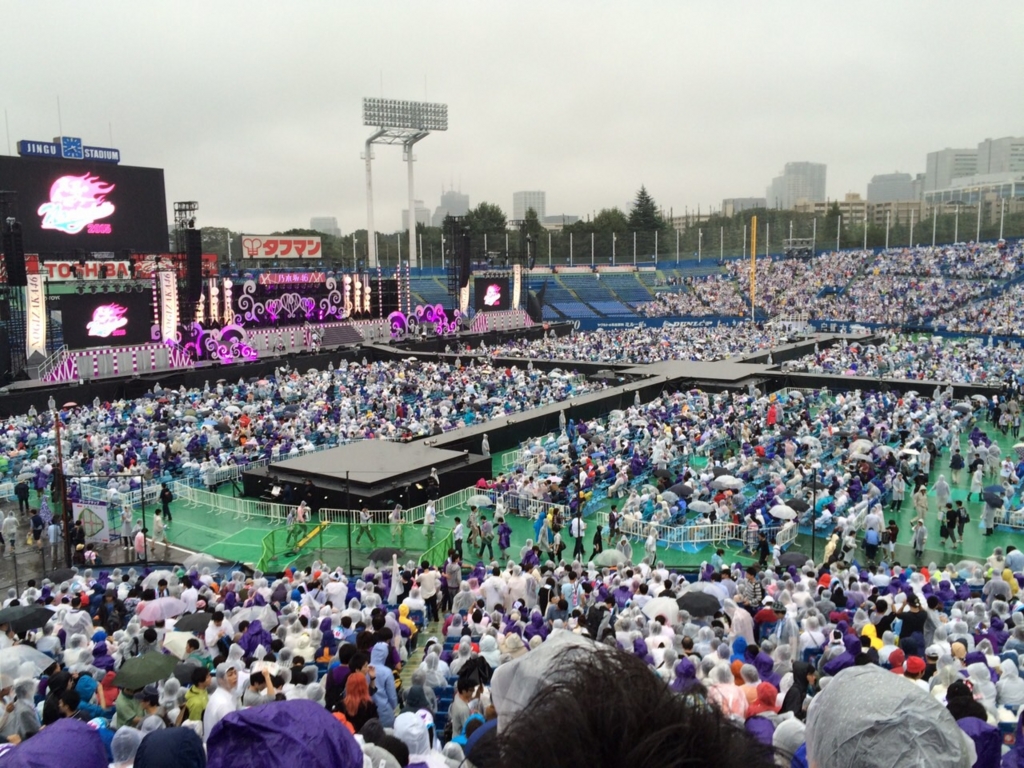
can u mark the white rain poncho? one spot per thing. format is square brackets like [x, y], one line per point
[868, 716]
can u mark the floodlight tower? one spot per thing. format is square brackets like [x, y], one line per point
[405, 123]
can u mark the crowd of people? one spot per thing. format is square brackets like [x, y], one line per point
[932, 358]
[177, 432]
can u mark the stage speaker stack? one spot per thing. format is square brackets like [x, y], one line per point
[193, 264]
[14, 255]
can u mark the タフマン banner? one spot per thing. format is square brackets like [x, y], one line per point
[280, 247]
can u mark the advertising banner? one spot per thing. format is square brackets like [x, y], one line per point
[168, 304]
[35, 327]
[280, 247]
[94, 520]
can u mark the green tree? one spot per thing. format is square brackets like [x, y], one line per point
[533, 227]
[644, 216]
[486, 218]
[608, 220]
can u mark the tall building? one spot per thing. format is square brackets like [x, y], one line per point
[798, 181]
[422, 215]
[452, 204]
[889, 187]
[947, 164]
[524, 201]
[1004, 155]
[734, 205]
[327, 225]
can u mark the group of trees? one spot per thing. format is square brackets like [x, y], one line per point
[643, 231]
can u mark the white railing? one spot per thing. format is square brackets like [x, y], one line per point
[47, 366]
[674, 535]
[529, 507]
[239, 508]
[787, 535]
[452, 503]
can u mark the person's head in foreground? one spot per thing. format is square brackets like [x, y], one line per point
[577, 705]
[867, 717]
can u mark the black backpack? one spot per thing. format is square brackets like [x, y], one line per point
[477, 671]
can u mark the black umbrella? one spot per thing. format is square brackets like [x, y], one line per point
[699, 604]
[382, 554]
[193, 622]
[22, 618]
[662, 473]
[682, 490]
[61, 574]
[998, 490]
[149, 668]
[221, 427]
[797, 559]
[993, 500]
[719, 471]
[798, 504]
[789, 433]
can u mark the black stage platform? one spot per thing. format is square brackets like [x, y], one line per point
[377, 473]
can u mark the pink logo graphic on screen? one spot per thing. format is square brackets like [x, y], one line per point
[107, 320]
[493, 296]
[77, 202]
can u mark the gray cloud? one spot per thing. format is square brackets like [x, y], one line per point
[254, 108]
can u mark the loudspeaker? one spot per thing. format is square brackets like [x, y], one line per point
[193, 264]
[14, 255]
[465, 268]
[533, 308]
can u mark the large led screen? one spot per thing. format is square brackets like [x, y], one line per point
[106, 319]
[67, 205]
[492, 294]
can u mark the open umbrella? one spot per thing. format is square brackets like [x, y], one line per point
[193, 622]
[782, 512]
[788, 433]
[979, 399]
[22, 618]
[962, 408]
[682, 490]
[548, 468]
[798, 504]
[998, 490]
[151, 581]
[662, 473]
[14, 658]
[200, 560]
[161, 609]
[910, 452]
[662, 606]
[263, 614]
[669, 497]
[727, 482]
[719, 471]
[175, 642]
[142, 670]
[61, 574]
[812, 441]
[480, 501]
[609, 558]
[699, 604]
[861, 446]
[700, 507]
[860, 457]
[797, 559]
[993, 500]
[384, 554]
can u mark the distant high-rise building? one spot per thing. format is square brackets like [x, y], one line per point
[734, 205]
[948, 164]
[1001, 155]
[422, 215]
[799, 181]
[890, 187]
[556, 222]
[524, 201]
[327, 225]
[452, 204]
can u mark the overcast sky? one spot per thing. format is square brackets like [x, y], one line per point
[255, 108]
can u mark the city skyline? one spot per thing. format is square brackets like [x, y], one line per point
[203, 103]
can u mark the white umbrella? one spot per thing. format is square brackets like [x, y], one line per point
[861, 446]
[811, 441]
[479, 501]
[548, 468]
[669, 497]
[700, 507]
[727, 482]
[860, 457]
[910, 452]
[662, 606]
[161, 609]
[153, 579]
[12, 659]
[264, 614]
[782, 512]
[175, 643]
[200, 560]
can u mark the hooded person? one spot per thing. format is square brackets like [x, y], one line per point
[1010, 688]
[437, 671]
[419, 696]
[410, 728]
[865, 711]
[489, 651]
[787, 740]
[54, 744]
[222, 701]
[254, 637]
[170, 748]
[725, 694]
[385, 697]
[803, 679]
[124, 746]
[282, 734]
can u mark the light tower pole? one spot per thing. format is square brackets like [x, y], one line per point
[404, 123]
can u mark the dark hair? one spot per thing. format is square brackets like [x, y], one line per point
[640, 723]
[71, 699]
[218, 615]
[464, 684]
[358, 661]
[199, 674]
[149, 635]
[396, 747]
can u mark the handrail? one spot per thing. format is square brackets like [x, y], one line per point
[48, 365]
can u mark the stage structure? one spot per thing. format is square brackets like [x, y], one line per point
[405, 123]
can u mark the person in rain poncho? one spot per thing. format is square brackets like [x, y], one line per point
[869, 716]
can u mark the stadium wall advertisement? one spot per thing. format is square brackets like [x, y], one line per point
[280, 247]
